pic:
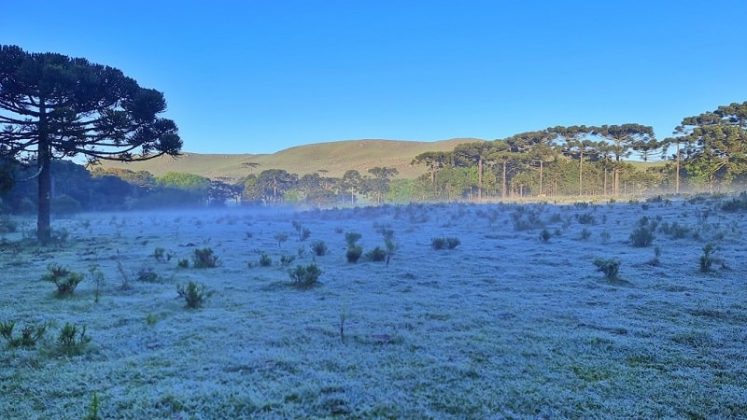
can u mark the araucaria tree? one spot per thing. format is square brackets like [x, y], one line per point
[53, 106]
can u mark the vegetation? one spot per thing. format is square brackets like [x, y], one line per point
[71, 340]
[610, 267]
[305, 277]
[70, 107]
[65, 280]
[194, 294]
[204, 258]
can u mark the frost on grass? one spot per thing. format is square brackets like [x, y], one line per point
[506, 325]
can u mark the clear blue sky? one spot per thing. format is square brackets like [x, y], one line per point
[260, 76]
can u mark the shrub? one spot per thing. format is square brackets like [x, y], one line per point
[377, 254]
[183, 263]
[265, 260]
[544, 235]
[585, 219]
[585, 234]
[642, 237]
[438, 243]
[305, 277]
[147, 275]
[351, 238]
[71, 341]
[287, 260]
[610, 267]
[160, 255]
[65, 280]
[30, 334]
[304, 234]
[319, 248]
[194, 294]
[706, 260]
[452, 243]
[354, 253]
[204, 258]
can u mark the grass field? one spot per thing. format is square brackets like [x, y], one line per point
[515, 321]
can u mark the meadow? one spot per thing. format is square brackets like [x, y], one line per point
[622, 309]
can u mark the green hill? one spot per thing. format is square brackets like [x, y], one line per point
[333, 157]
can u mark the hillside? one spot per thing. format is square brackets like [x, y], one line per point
[334, 157]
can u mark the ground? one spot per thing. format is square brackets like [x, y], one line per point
[504, 325]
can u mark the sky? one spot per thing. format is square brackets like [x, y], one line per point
[259, 76]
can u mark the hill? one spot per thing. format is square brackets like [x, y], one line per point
[333, 157]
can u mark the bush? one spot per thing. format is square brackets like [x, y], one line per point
[452, 243]
[71, 341]
[287, 260]
[438, 243]
[30, 334]
[194, 294]
[183, 263]
[65, 280]
[265, 260]
[585, 219]
[544, 235]
[585, 234]
[642, 236]
[204, 258]
[351, 238]
[610, 267]
[319, 248]
[706, 260]
[354, 253]
[305, 277]
[147, 275]
[377, 254]
[161, 256]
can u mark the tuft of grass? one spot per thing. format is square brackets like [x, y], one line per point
[65, 280]
[204, 258]
[305, 277]
[445, 243]
[286, 260]
[610, 267]
[147, 275]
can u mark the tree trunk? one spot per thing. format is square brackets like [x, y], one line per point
[503, 190]
[677, 176]
[540, 192]
[479, 179]
[605, 180]
[352, 196]
[581, 174]
[44, 162]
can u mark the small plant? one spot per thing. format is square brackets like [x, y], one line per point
[353, 254]
[319, 248]
[376, 255]
[93, 409]
[204, 258]
[30, 334]
[305, 277]
[287, 260]
[98, 281]
[585, 219]
[194, 294]
[545, 235]
[183, 263]
[585, 234]
[351, 238]
[281, 237]
[438, 243]
[72, 342]
[125, 278]
[65, 280]
[657, 254]
[6, 330]
[159, 254]
[151, 319]
[265, 260]
[642, 236]
[706, 260]
[610, 267]
[452, 243]
[147, 274]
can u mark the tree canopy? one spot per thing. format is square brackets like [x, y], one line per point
[54, 106]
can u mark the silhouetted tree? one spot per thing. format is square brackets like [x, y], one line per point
[54, 106]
